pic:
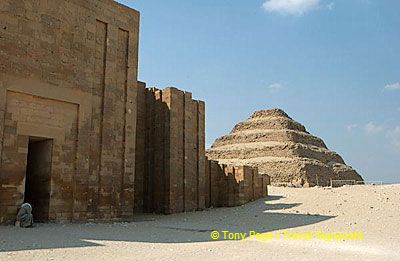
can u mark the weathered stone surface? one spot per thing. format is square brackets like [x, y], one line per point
[108, 145]
[170, 167]
[68, 73]
[201, 155]
[281, 148]
[231, 186]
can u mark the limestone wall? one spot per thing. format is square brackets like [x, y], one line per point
[172, 173]
[68, 78]
[229, 186]
[68, 73]
[170, 158]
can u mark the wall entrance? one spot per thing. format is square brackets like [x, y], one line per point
[38, 177]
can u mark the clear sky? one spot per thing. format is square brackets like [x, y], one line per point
[333, 66]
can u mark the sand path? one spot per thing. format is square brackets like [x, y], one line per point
[372, 210]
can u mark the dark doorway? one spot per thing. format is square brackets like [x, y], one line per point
[38, 177]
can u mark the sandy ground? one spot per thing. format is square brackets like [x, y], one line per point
[372, 210]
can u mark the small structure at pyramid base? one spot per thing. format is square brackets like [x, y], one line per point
[231, 186]
[281, 148]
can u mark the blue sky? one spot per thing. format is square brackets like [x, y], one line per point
[331, 65]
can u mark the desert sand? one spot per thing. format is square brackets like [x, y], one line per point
[372, 210]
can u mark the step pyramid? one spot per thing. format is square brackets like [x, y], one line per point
[283, 149]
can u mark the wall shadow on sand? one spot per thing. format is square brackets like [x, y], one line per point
[260, 216]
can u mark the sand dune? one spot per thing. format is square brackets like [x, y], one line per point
[373, 211]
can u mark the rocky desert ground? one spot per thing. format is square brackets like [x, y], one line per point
[286, 218]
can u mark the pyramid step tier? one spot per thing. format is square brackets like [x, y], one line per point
[269, 113]
[274, 149]
[263, 135]
[298, 171]
[269, 123]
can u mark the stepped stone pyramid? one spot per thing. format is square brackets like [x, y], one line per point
[281, 148]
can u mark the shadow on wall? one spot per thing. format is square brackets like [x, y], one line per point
[178, 228]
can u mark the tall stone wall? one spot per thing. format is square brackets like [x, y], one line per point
[68, 73]
[170, 158]
[172, 173]
[107, 145]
